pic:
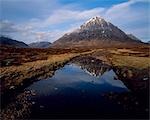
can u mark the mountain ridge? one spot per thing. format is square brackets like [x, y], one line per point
[95, 31]
[5, 41]
[42, 44]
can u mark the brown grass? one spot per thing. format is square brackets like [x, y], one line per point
[136, 58]
[15, 75]
[17, 56]
[33, 63]
[130, 61]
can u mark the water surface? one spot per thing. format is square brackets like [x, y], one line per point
[76, 91]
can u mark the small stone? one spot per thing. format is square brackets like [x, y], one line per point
[12, 117]
[92, 81]
[115, 78]
[33, 102]
[41, 106]
[27, 92]
[125, 98]
[136, 103]
[124, 75]
[92, 60]
[145, 78]
[55, 88]
[33, 92]
[146, 109]
[119, 103]
[12, 87]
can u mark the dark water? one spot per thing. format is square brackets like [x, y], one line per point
[76, 93]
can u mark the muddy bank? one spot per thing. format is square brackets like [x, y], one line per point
[19, 108]
[135, 104]
[135, 79]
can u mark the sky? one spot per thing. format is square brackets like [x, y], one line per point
[47, 20]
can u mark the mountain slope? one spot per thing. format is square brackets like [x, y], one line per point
[4, 41]
[133, 37]
[95, 32]
[40, 44]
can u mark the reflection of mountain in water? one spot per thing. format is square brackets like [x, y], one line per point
[109, 78]
[103, 72]
[92, 66]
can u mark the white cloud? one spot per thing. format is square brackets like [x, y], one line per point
[122, 15]
[124, 11]
[7, 27]
[30, 31]
[128, 17]
[64, 15]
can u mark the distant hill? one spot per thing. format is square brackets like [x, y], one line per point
[5, 41]
[96, 32]
[133, 37]
[40, 44]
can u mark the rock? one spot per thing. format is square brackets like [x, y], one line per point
[119, 102]
[55, 88]
[33, 92]
[146, 109]
[28, 92]
[145, 78]
[41, 106]
[92, 61]
[124, 75]
[12, 87]
[33, 102]
[136, 103]
[116, 78]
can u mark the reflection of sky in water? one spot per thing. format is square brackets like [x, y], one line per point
[72, 77]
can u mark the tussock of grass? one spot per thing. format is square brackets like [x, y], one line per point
[130, 61]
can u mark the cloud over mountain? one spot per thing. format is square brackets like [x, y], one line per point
[55, 19]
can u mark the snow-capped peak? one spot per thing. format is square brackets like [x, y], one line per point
[95, 19]
[94, 23]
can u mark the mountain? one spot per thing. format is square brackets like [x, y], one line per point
[95, 33]
[133, 37]
[40, 44]
[5, 41]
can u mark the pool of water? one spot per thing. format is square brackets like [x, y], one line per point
[76, 92]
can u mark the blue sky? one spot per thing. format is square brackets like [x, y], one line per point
[47, 20]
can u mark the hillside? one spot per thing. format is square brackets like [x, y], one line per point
[4, 41]
[133, 37]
